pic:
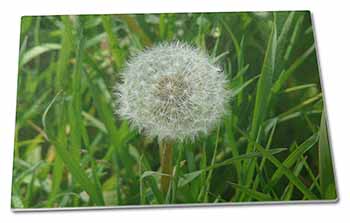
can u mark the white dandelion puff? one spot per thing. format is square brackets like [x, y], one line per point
[172, 91]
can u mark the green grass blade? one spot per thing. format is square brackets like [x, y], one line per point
[288, 192]
[282, 42]
[327, 179]
[239, 89]
[188, 177]
[79, 174]
[285, 170]
[261, 101]
[287, 73]
[75, 108]
[37, 51]
[252, 193]
[264, 87]
[299, 107]
[56, 181]
[293, 157]
[289, 174]
[299, 88]
[293, 39]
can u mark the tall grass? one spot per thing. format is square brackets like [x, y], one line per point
[71, 150]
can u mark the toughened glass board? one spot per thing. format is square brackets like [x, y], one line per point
[169, 109]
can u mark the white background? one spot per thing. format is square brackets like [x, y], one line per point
[331, 19]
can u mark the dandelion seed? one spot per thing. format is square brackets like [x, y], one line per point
[173, 92]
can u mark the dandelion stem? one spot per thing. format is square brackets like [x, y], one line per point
[166, 151]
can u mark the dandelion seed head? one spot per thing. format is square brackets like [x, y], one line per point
[172, 91]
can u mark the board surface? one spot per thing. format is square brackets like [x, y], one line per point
[78, 146]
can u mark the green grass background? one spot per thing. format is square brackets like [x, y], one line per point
[71, 150]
